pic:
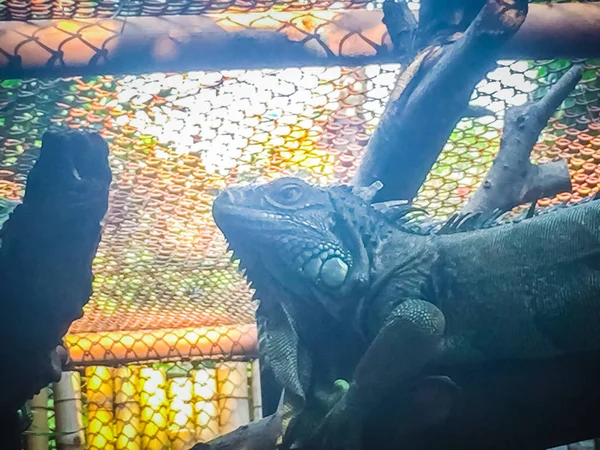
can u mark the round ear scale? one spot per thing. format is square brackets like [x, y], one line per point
[368, 193]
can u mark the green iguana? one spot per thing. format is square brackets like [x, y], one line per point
[346, 293]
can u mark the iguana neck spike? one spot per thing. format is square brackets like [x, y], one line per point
[368, 193]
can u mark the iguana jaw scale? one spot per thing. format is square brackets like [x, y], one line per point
[251, 217]
[266, 286]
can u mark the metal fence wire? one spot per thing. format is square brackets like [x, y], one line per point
[170, 314]
[151, 406]
[177, 138]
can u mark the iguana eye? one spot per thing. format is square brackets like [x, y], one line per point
[286, 195]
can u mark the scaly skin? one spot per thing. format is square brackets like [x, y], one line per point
[357, 289]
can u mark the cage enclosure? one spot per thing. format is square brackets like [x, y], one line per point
[192, 96]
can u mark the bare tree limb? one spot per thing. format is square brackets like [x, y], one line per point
[561, 30]
[515, 404]
[260, 435]
[513, 179]
[440, 19]
[423, 110]
[401, 25]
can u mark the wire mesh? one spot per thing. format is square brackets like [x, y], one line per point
[158, 406]
[165, 288]
[176, 139]
[163, 43]
[58, 9]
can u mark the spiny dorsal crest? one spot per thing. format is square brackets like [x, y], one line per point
[417, 221]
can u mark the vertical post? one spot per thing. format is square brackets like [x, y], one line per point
[153, 402]
[232, 384]
[127, 409]
[37, 435]
[256, 391]
[68, 410]
[101, 418]
[206, 405]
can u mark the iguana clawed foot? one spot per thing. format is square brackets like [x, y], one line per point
[342, 427]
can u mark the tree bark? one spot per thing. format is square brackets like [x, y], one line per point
[513, 179]
[430, 97]
[529, 404]
[561, 30]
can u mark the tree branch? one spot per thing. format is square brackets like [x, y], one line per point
[426, 106]
[260, 435]
[513, 179]
[561, 30]
[438, 20]
[532, 404]
[401, 25]
[516, 404]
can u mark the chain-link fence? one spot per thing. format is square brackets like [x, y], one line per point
[176, 139]
[153, 406]
[58, 9]
[165, 289]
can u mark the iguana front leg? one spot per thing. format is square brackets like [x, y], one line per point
[409, 339]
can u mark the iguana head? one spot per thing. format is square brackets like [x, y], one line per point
[306, 238]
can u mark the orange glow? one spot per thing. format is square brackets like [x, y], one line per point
[127, 408]
[181, 417]
[206, 404]
[329, 28]
[70, 26]
[164, 345]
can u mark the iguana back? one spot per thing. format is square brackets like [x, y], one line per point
[529, 289]
[325, 260]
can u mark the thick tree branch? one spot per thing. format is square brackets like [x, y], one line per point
[200, 42]
[424, 109]
[528, 404]
[513, 179]
[401, 26]
[438, 20]
[561, 30]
